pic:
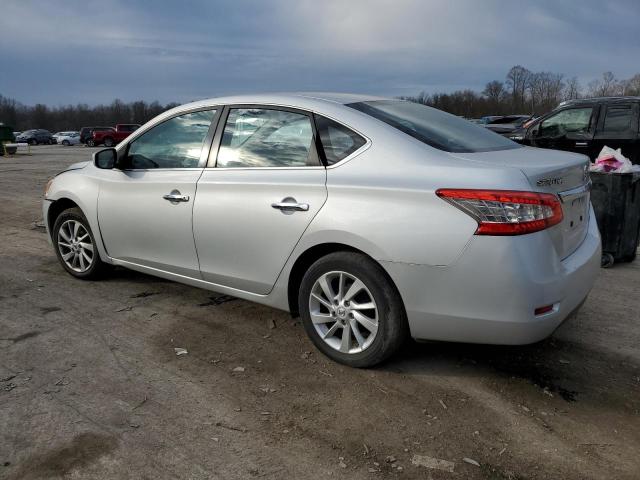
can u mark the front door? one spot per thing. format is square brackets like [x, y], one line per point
[257, 197]
[145, 205]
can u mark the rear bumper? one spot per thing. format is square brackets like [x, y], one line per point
[490, 294]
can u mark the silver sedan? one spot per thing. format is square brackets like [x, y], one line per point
[372, 219]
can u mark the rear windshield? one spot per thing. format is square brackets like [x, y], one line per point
[435, 127]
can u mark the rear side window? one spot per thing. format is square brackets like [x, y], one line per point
[618, 119]
[338, 141]
[261, 137]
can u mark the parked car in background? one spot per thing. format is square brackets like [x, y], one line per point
[507, 124]
[69, 138]
[86, 134]
[489, 118]
[58, 135]
[373, 219]
[35, 137]
[109, 138]
[587, 125]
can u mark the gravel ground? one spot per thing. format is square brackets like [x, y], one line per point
[91, 387]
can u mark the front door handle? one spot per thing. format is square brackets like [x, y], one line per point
[291, 205]
[582, 144]
[175, 196]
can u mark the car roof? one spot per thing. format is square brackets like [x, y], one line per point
[590, 101]
[300, 99]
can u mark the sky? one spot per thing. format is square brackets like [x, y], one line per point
[60, 52]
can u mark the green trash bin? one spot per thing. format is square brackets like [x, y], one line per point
[6, 136]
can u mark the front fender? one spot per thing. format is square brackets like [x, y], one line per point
[81, 189]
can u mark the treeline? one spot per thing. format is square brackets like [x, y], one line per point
[521, 92]
[73, 117]
[526, 92]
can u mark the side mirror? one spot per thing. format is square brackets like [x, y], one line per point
[105, 159]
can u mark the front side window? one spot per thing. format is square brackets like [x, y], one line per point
[258, 137]
[338, 141]
[573, 120]
[175, 143]
[618, 119]
[434, 127]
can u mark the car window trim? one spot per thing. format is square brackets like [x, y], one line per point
[212, 161]
[206, 142]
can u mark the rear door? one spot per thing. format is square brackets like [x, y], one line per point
[618, 128]
[571, 129]
[263, 185]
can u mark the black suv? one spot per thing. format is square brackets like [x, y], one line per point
[34, 137]
[587, 125]
[86, 134]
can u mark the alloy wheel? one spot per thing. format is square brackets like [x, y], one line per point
[343, 312]
[75, 246]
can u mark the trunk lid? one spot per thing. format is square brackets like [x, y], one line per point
[551, 171]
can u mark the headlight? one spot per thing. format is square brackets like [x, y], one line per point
[46, 187]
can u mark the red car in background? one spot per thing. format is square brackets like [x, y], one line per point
[109, 138]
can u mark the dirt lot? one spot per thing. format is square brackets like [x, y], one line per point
[90, 385]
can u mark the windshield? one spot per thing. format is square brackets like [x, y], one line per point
[435, 127]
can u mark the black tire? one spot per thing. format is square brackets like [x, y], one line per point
[392, 330]
[91, 143]
[108, 142]
[32, 141]
[97, 267]
[66, 143]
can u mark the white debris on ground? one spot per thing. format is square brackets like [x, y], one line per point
[180, 351]
[433, 463]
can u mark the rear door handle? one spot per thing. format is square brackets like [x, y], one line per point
[290, 204]
[175, 196]
[582, 144]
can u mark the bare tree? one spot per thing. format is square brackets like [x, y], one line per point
[517, 81]
[632, 86]
[572, 89]
[607, 86]
[494, 91]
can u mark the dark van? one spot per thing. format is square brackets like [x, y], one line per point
[587, 125]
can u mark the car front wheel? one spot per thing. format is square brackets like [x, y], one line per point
[351, 310]
[75, 245]
[91, 143]
[108, 142]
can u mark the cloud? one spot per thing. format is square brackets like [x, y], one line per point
[93, 51]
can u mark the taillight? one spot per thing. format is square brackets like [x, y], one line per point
[506, 212]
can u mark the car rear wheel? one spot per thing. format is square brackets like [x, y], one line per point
[76, 246]
[108, 142]
[66, 143]
[351, 310]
